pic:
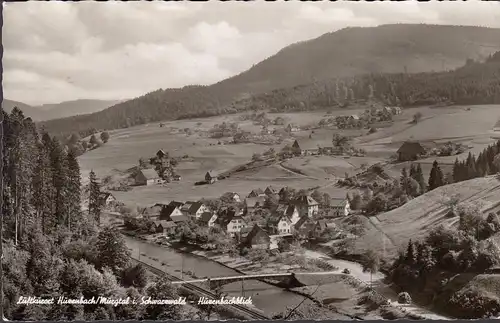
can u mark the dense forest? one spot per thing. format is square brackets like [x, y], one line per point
[51, 248]
[473, 83]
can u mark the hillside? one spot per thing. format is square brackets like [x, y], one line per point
[342, 54]
[73, 108]
[59, 110]
[415, 219]
[34, 113]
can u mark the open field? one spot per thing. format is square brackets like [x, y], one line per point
[472, 127]
[126, 146]
[392, 230]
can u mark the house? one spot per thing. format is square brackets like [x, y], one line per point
[176, 177]
[107, 199]
[269, 191]
[340, 207]
[232, 196]
[258, 238]
[281, 224]
[410, 150]
[231, 221]
[147, 177]
[292, 212]
[354, 117]
[171, 210]
[211, 177]
[396, 110]
[194, 209]
[320, 226]
[307, 147]
[160, 154]
[152, 212]
[256, 192]
[178, 219]
[163, 226]
[291, 128]
[304, 227]
[253, 202]
[208, 219]
[307, 206]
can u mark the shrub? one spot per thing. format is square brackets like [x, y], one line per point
[404, 298]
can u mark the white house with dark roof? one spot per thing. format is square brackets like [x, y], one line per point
[307, 206]
[340, 207]
[211, 177]
[281, 224]
[208, 219]
[194, 209]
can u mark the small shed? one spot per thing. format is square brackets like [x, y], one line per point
[211, 177]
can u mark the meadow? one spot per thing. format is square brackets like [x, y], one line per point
[125, 147]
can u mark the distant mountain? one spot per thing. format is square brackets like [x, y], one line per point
[345, 53]
[34, 113]
[73, 108]
[59, 110]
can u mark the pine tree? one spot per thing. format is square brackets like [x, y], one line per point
[456, 171]
[435, 177]
[58, 163]
[73, 191]
[419, 177]
[410, 254]
[94, 198]
[405, 181]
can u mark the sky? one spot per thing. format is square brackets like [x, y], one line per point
[60, 51]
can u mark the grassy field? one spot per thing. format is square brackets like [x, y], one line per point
[126, 146]
[472, 127]
[392, 230]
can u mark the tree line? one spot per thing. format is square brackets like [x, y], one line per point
[474, 83]
[54, 249]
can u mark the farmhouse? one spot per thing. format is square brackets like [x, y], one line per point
[321, 226]
[410, 150]
[208, 219]
[307, 206]
[270, 191]
[291, 128]
[253, 202]
[258, 238]
[292, 212]
[107, 199]
[340, 207]
[256, 193]
[177, 219]
[354, 117]
[281, 224]
[152, 212]
[176, 177]
[193, 209]
[160, 154]
[163, 226]
[171, 210]
[146, 177]
[211, 177]
[305, 148]
[232, 221]
[304, 227]
[396, 110]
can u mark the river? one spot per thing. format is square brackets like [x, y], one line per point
[268, 298]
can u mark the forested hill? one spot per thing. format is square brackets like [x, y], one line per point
[342, 54]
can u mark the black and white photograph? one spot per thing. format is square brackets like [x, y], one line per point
[250, 160]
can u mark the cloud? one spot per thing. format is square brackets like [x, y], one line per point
[55, 51]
